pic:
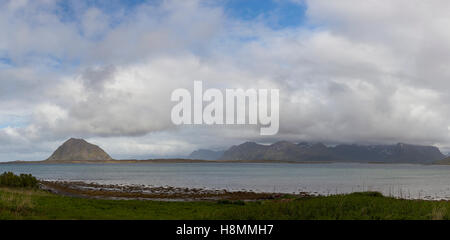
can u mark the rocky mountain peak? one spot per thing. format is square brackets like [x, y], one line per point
[76, 149]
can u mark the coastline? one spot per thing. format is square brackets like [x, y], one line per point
[141, 192]
[184, 160]
[162, 160]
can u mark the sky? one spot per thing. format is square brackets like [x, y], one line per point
[349, 71]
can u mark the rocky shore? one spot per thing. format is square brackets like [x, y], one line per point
[93, 190]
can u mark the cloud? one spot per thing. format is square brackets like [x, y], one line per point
[367, 72]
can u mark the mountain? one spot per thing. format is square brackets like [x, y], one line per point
[78, 150]
[318, 152]
[205, 154]
[245, 151]
[445, 161]
[400, 153]
[282, 151]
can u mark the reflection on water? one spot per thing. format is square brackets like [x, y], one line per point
[399, 180]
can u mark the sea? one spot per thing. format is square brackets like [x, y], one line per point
[409, 181]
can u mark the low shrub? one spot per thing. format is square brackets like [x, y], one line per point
[237, 202]
[9, 179]
[368, 194]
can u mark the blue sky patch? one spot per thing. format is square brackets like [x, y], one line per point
[276, 13]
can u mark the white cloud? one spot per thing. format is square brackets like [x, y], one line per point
[360, 71]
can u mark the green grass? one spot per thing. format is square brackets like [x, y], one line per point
[366, 206]
[36, 204]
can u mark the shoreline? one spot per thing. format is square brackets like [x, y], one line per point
[113, 191]
[162, 160]
[93, 190]
[141, 192]
[182, 160]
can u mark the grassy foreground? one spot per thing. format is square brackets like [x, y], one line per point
[17, 203]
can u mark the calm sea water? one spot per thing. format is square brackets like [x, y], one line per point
[400, 180]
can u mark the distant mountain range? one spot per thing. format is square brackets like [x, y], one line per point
[205, 154]
[318, 152]
[78, 150]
